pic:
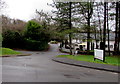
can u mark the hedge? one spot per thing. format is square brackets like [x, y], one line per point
[35, 45]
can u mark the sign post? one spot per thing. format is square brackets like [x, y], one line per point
[99, 54]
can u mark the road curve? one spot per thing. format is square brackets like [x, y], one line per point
[40, 68]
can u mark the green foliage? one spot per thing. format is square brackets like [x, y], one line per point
[12, 39]
[33, 30]
[35, 45]
[33, 38]
[36, 38]
[63, 19]
[84, 28]
[86, 9]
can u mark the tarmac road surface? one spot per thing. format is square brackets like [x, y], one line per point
[40, 68]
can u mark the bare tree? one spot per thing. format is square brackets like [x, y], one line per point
[2, 5]
[12, 24]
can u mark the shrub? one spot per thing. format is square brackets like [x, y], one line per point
[35, 45]
[33, 38]
[36, 37]
[33, 30]
[12, 39]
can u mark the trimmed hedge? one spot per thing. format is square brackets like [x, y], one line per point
[13, 39]
[35, 45]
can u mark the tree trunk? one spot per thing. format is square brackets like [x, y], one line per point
[88, 35]
[108, 32]
[70, 39]
[119, 30]
[99, 25]
[96, 39]
[116, 30]
[104, 32]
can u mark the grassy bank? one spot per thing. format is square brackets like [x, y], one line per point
[7, 51]
[111, 60]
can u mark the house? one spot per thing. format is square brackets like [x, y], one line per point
[80, 38]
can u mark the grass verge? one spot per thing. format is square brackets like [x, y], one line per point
[111, 60]
[7, 51]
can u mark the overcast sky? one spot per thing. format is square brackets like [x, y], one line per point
[25, 9]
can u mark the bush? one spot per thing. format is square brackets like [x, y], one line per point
[35, 37]
[12, 39]
[35, 45]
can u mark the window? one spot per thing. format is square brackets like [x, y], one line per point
[111, 46]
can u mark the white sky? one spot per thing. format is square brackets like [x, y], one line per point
[25, 9]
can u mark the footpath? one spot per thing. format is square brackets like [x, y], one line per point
[97, 66]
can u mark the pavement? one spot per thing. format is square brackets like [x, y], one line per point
[39, 67]
[98, 66]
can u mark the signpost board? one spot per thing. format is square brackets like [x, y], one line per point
[99, 54]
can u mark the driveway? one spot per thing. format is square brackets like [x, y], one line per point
[40, 68]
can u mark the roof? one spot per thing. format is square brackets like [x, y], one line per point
[92, 35]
